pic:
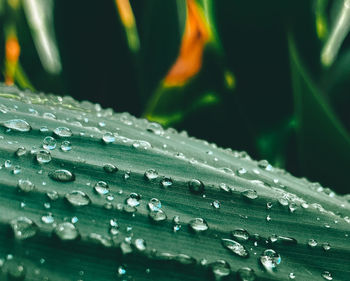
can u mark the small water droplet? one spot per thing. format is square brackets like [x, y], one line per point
[166, 182]
[155, 128]
[23, 228]
[16, 170]
[246, 274]
[121, 271]
[235, 247]
[49, 143]
[62, 175]
[8, 164]
[198, 225]
[196, 186]
[77, 198]
[43, 156]
[292, 276]
[154, 204]
[220, 269]
[250, 194]
[270, 259]
[326, 246]
[240, 234]
[133, 200]
[66, 231]
[53, 195]
[269, 205]
[110, 168]
[216, 204]
[63, 132]
[108, 137]
[17, 125]
[140, 244]
[327, 275]
[66, 146]
[101, 188]
[312, 243]
[48, 219]
[21, 151]
[25, 185]
[151, 174]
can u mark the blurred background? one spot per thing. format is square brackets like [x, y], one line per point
[268, 77]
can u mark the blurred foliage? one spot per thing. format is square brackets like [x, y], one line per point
[271, 78]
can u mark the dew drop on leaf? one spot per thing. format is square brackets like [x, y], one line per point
[220, 269]
[49, 143]
[23, 228]
[66, 146]
[21, 151]
[166, 182]
[157, 216]
[78, 198]
[63, 132]
[196, 186]
[198, 225]
[327, 275]
[43, 156]
[151, 174]
[240, 234]
[235, 247]
[110, 168]
[101, 188]
[154, 204]
[250, 194]
[66, 231]
[108, 137]
[270, 259]
[17, 125]
[62, 175]
[246, 274]
[25, 185]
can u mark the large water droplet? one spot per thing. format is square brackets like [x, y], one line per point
[151, 174]
[43, 156]
[250, 194]
[155, 128]
[110, 168]
[198, 225]
[270, 259]
[235, 248]
[25, 185]
[240, 234]
[166, 182]
[66, 231]
[62, 175]
[66, 146]
[17, 125]
[63, 132]
[312, 243]
[246, 274]
[140, 244]
[133, 200]
[21, 151]
[77, 198]
[23, 228]
[101, 188]
[49, 143]
[196, 186]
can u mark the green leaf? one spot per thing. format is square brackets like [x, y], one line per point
[220, 211]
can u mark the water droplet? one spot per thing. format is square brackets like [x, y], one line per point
[240, 234]
[292, 276]
[225, 187]
[62, 175]
[43, 156]
[108, 137]
[235, 247]
[49, 143]
[141, 144]
[105, 241]
[196, 186]
[264, 164]
[101, 188]
[246, 274]
[292, 207]
[49, 115]
[23, 228]
[326, 246]
[151, 174]
[220, 269]
[66, 146]
[269, 205]
[133, 200]
[140, 244]
[77, 198]
[53, 195]
[63, 132]
[283, 201]
[157, 216]
[8, 164]
[270, 259]
[216, 204]
[250, 194]
[25, 185]
[166, 182]
[48, 219]
[66, 231]
[312, 243]
[198, 225]
[43, 129]
[110, 168]
[155, 128]
[16, 170]
[327, 275]
[21, 151]
[121, 271]
[17, 125]
[154, 204]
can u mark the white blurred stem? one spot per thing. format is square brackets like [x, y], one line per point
[339, 32]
